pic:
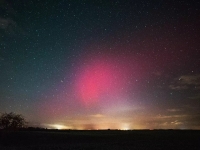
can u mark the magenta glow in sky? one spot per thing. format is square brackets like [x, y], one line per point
[100, 78]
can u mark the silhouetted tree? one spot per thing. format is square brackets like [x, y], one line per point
[12, 121]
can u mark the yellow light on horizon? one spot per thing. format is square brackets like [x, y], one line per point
[58, 126]
[125, 126]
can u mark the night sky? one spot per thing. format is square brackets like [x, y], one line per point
[99, 64]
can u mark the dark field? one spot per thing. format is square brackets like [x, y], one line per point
[103, 139]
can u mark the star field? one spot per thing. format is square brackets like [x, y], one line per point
[85, 64]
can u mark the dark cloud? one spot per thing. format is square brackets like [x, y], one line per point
[8, 17]
[186, 82]
[7, 24]
[190, 79]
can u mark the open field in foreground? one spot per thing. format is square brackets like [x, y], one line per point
[100, 139]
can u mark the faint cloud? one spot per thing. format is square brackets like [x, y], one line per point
[195, 97]
[169, 121]
[178, 87]
[173, 110]
[157, 73]
[171, 124]
[6, 24]
[176, 122]
[7, 17]
[98, 116]
[170, 116]
[185, 82]
[190, 80]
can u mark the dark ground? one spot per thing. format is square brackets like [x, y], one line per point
[100, 140]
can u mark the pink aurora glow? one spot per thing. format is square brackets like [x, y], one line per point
[99, 78]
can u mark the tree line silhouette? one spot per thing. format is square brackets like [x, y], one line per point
[12, 121]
